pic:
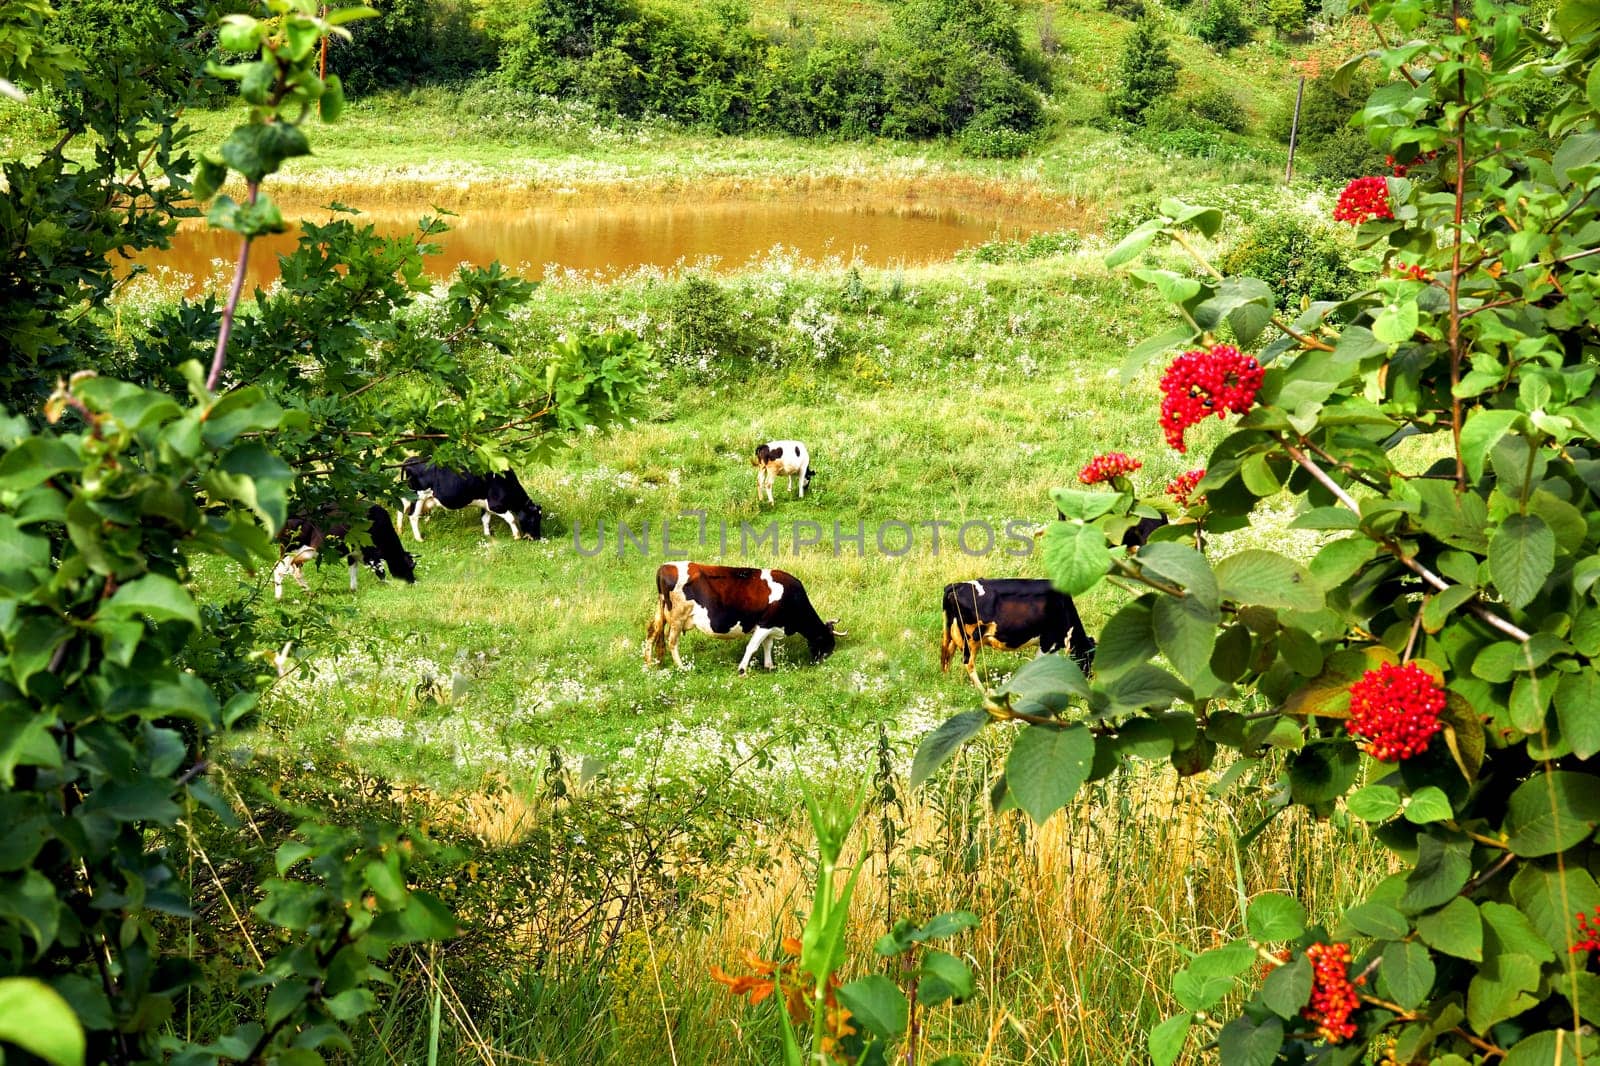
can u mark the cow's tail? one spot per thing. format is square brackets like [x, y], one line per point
[955, 634]
[655, 634]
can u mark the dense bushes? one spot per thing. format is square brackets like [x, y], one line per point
[412, 42]
[1220, 24]
[942, 67]
[1301, 260]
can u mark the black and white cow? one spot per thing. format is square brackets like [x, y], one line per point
[729, 602]
[782, 458]
[1010, 614]
[498, 494]
[305, 538]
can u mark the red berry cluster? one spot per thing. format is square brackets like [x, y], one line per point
[1333, 997]
[1414, 271]
[1589, 930]
[1363, 199]
[1105, 467]
[1396, 709]
[1199, 383]
[1401, 169]
[1181, 486]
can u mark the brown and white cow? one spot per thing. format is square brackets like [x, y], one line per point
[730, 602]
[1010, 614]
[782, 458]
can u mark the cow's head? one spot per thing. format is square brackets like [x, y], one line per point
[822, 643]
[403, 566]
[764, 455]
[530, 521]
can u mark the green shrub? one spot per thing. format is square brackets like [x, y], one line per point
[995, 142]
[412, 42]
[1145, 73]
[1132, 10]
[1342, 155]
[1301, 260]
[1221, 25]
[1220, 108]
[703, 325]
[1287, 17]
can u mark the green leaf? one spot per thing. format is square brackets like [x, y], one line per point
[1508, 931]
[35, 1018]
[1044, 683]
[1180, 565]
[1075, 556]
[1374, 803]
[1242, 1042]
[1440, 872]
[1274, 916]
[1428, 804]
[259, 149]
[1126, 640]
[1377, 920]
[1522, 553]
[1267, 579]
[157, 597]
[1551, 812]
[1501, 989]
[1168, 1038]
[1578, 710]
[1085, 504]
[1229, 960]
[1198, 991]
[1553, 1047]
[1481, 432]
[942, 977]
[1046, 767]
[876, 1003]
[939, 745]
[1288, 987]
[1408, 971]
[1549, 894]
[1133, 244]
[1454, 929]
[1185, 630]
[1396, 323]
[1323, 771]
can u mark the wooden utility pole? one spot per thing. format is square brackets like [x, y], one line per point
[1294, 129]
[322, 64]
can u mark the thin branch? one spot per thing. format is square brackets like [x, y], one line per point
[1377, 31]
[221, 356]
[1510, 629]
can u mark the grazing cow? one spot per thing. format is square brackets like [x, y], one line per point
[733, 601]
[1009, 614]
[782, 458]
[307, 537]
[498, 494]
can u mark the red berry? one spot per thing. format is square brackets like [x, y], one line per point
[1105, 467]
[1200, 383]
[1363, 199]
[1414, 271]
[1333, 997]
[1396, 710]
[1180, 487]
[1589, 929]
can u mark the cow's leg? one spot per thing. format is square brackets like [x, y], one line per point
[511, 520]
[803, 470]
[487, 515]
[673, 634]
[284, 567]
[653, 644]
[969, 657]
[418, 508]
[756, 638]
[355, 565]
[766, 650]
[947, 645]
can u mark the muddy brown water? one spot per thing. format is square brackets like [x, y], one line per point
[609, 240]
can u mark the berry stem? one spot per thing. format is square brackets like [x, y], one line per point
[1510, 629]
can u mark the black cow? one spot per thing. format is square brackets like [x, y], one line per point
[733, 601]
[1009, 614]
[498, 494]
[306, 537]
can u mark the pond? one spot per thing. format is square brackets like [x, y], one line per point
[608, 240]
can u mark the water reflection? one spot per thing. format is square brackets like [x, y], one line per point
[610, 240]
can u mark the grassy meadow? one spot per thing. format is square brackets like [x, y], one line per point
[506, 695]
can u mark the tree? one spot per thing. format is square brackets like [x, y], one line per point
[1434, 671]
[1145, 73]
[117, 677]
[1220, 25]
